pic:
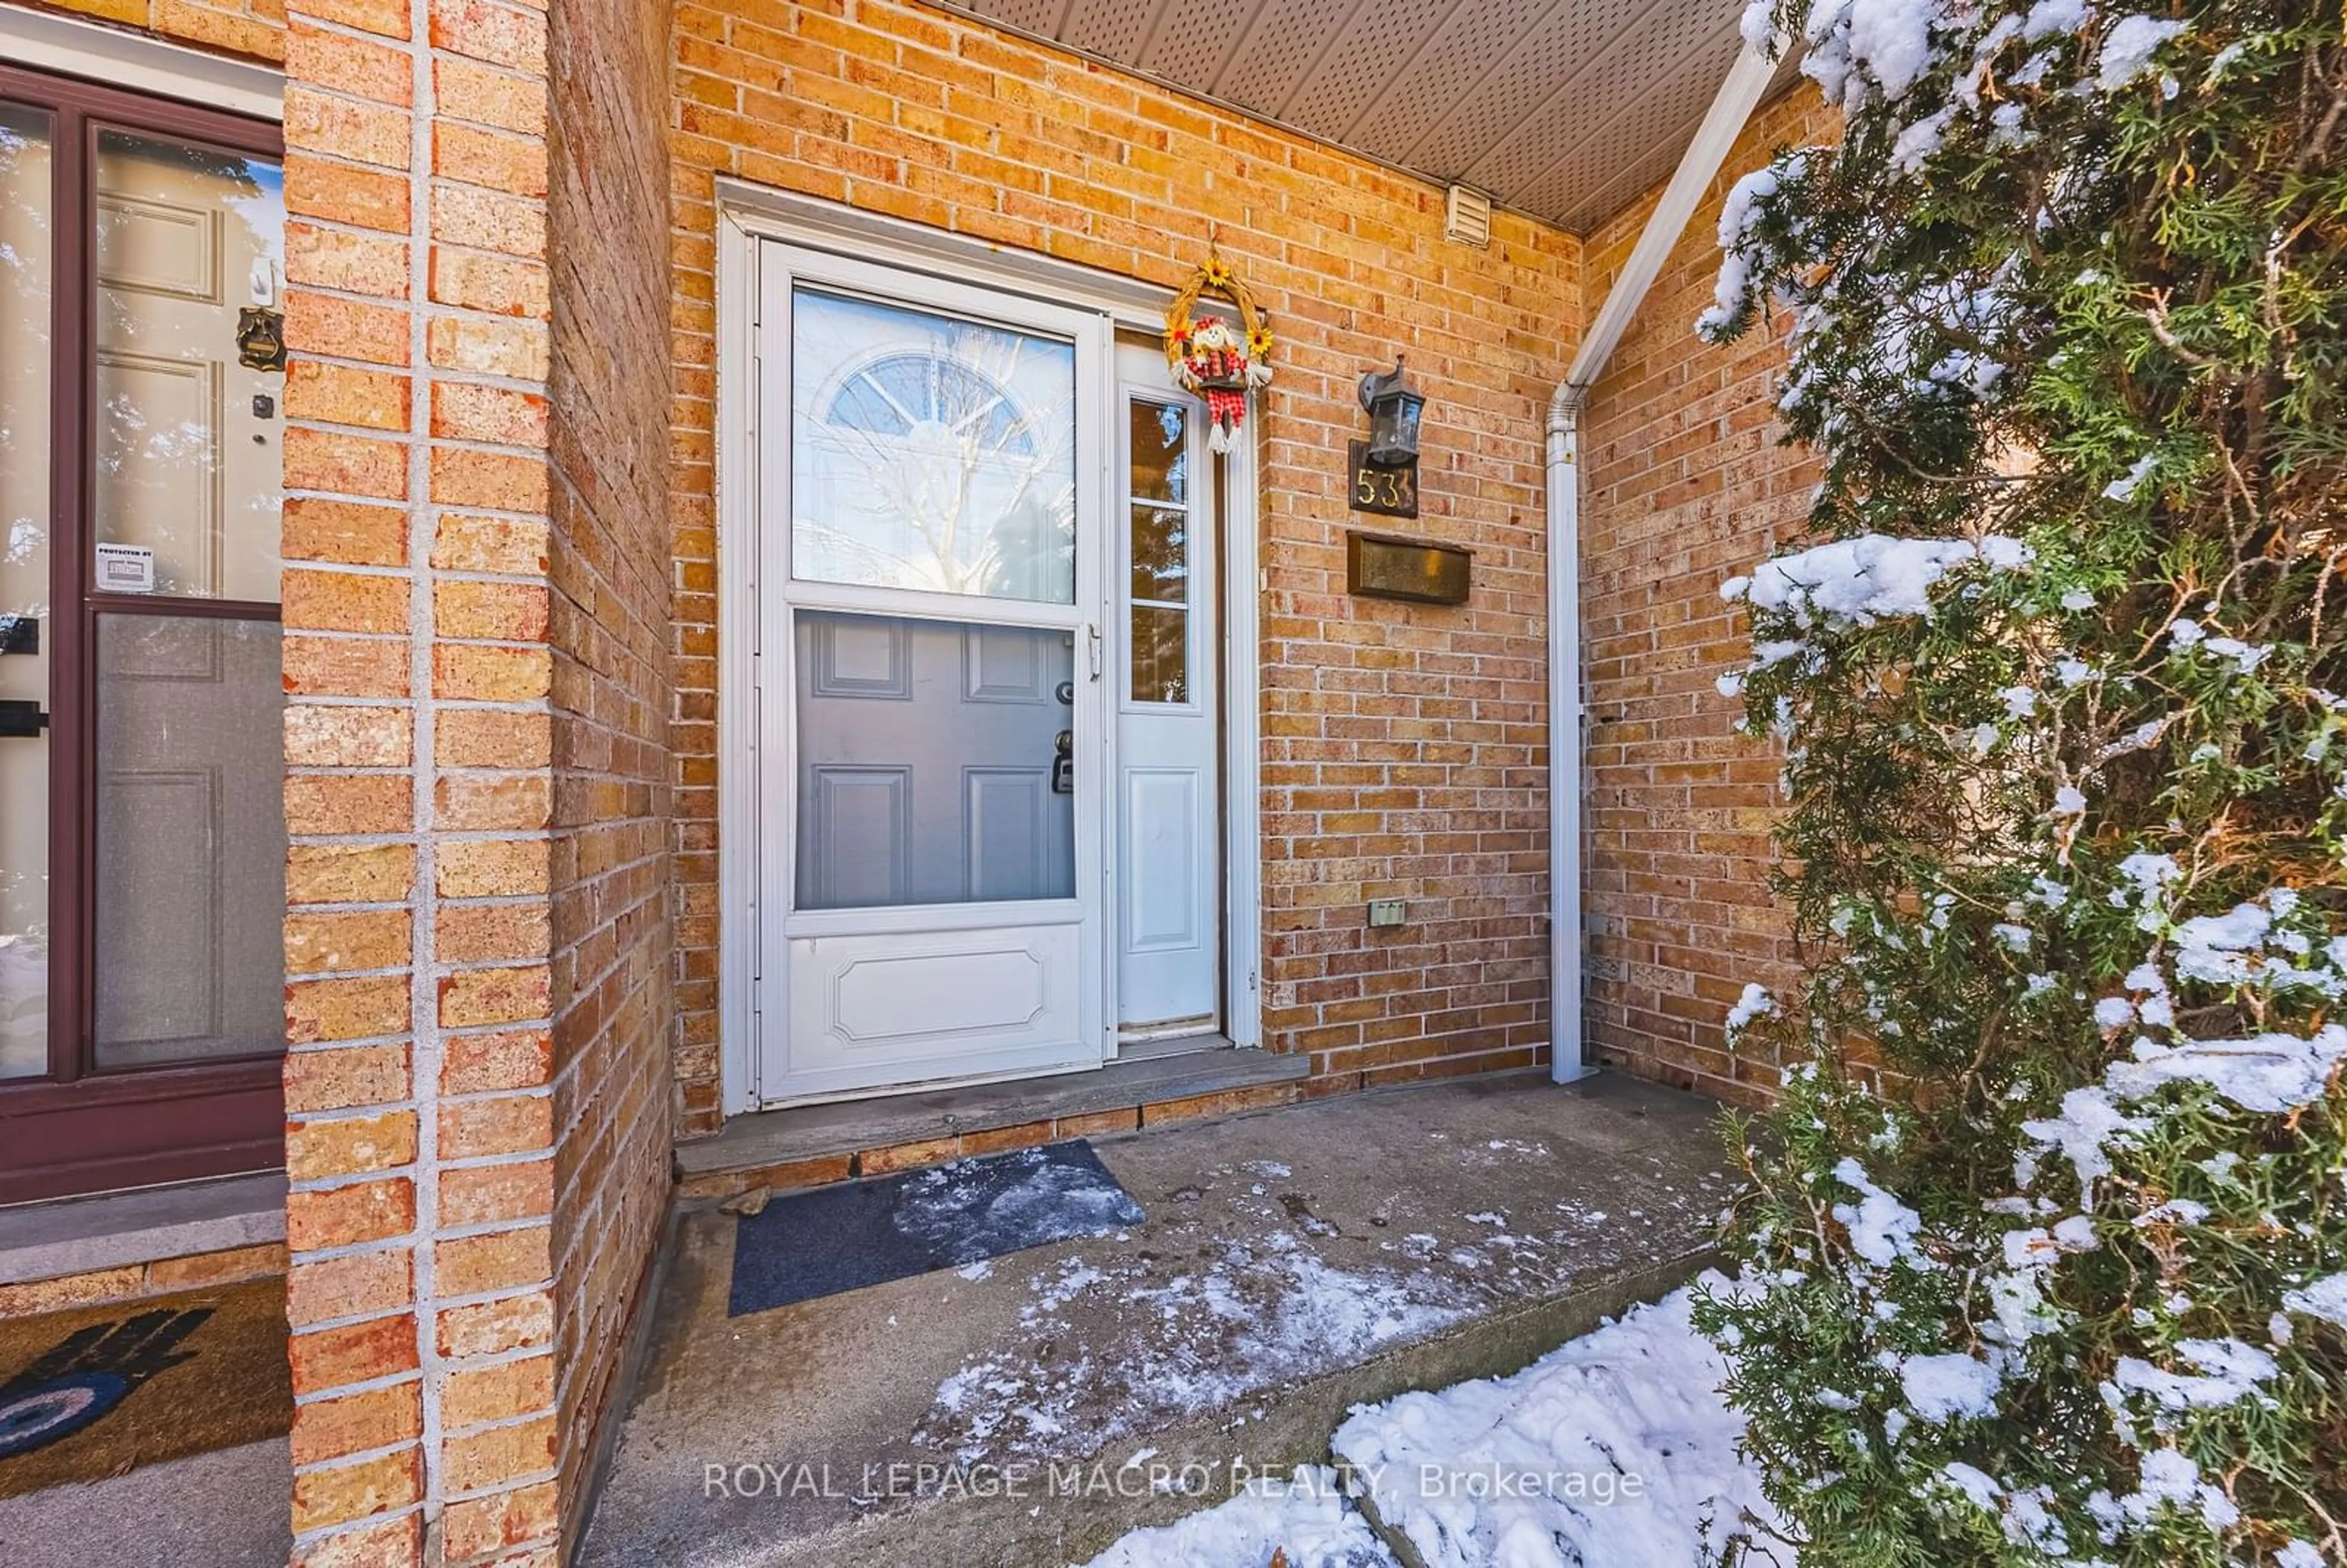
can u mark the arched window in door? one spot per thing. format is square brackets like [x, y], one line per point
[931, 453]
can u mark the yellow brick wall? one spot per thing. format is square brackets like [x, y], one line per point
[1404, 747]
[1685, 485]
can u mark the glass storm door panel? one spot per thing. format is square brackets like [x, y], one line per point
[28, 626]
[1168, 814]
[188, 466]
[933, 714]
[930, 452]
[926, 755]
[191, 891]
[185, 503]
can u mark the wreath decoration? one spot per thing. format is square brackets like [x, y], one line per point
[1207, 355]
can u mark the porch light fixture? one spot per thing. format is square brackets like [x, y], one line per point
[1394, 407]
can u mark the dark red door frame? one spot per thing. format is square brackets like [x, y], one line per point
[79, 1130]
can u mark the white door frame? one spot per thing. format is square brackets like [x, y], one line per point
[748, 216]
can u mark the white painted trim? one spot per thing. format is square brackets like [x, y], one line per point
[140, 63]
[812, 223]
[738, 856]
[903, 919]
[1242, 744]
[1740, 94]
[1240, 694]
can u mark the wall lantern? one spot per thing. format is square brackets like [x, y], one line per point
[1394, 407]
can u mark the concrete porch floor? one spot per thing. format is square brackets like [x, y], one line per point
[224, 1509]
[1292, 1264]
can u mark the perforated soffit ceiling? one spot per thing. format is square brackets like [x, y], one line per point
[1566, 109]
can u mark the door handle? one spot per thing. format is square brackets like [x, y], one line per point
[1064, 763]
[1093, 648]
[22, 719]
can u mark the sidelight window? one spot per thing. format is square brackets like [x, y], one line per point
[1159, 508]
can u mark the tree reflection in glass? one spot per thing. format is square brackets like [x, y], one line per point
[931, 453]
[186, 464]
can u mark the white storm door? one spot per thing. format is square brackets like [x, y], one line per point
[1169, 867]
[933, 469]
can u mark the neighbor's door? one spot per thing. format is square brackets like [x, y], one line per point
[932, 742]
[142, 830]
[1169, 862]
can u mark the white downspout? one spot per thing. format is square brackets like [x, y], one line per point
[1565, 714]
[1746, 80]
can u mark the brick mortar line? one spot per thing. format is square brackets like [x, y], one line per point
[511, 1484]
[319, 1533]
[367, 1386]
[425, 1058]
[478, 1096]
[474, 1299]
[491, 381]
[358, 1456]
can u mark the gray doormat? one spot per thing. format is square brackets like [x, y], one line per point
[820, 1243]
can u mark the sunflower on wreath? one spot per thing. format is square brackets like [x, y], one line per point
[1210, 355]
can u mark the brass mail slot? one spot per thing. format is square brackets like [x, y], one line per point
[1377, 566]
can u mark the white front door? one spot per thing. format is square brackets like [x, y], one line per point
[1168, 726]
[933, 485]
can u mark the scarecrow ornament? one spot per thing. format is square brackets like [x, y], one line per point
[1207, 355]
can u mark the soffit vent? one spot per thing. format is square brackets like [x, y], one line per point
[1467, 217]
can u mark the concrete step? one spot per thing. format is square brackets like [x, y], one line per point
[811, 1145]
[1293, 1265]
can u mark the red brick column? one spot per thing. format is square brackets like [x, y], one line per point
[419, 752]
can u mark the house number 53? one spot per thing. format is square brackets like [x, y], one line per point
[1388, 492]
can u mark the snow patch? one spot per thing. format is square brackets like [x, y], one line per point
[1305, 1515]
[2272, 1073]
[2127, 49]
[2124, 487]
[1738, 217]
[1883, 1230]
[1943, 1388]
[2229, 1372]
[2325, 1299]
[1755, 1003]
[1636, 1398]
[1252, 1317]
[2049, 17]
[1860, 580]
